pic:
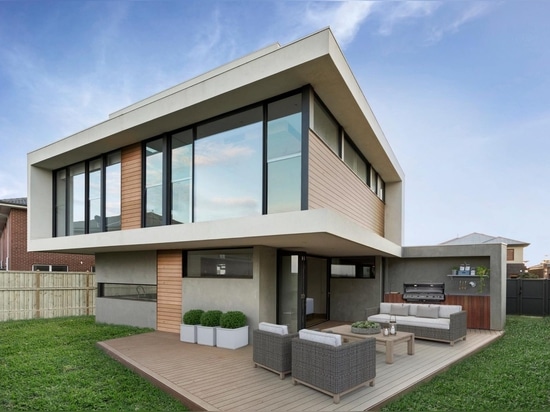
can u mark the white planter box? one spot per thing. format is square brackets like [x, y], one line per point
[188, 333]
[206, 335]
[232, 338]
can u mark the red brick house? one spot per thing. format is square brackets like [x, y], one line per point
[13, 245]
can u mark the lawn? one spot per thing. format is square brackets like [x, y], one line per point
[53, 364]
[509, 375]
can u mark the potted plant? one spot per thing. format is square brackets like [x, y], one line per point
[188, 329]
[483, 273]
[233, 330]
[206, 331]
[365, 327]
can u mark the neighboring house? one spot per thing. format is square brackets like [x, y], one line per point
[265, 185]
[541, 270]
[515, 265]
[13, 245]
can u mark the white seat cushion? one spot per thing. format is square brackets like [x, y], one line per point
[273, 328]
[331, 339]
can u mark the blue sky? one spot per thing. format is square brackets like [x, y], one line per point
[460, 88]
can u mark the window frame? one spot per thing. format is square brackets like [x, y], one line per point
[65, 192]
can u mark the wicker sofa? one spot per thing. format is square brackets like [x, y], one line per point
[272, 348]
[334, 370]
[446, 323]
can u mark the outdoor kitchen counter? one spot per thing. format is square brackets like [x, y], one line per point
[478, 307]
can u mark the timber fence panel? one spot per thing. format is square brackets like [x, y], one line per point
[28, 295]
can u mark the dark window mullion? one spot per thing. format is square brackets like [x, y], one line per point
[264, 161]
[103, 191]
[166, 181]
[86, 197]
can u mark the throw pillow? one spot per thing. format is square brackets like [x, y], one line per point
[385, 307]
[399, 310]
[425, 311]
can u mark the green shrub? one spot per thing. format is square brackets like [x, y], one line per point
[211, 318]
[233, 320]
[193, 317]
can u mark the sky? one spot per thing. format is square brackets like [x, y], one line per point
[460, 88]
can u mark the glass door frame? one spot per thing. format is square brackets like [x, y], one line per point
[300, 260]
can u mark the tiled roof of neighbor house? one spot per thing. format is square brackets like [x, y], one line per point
[6, 205]
[18, 201]
[479, 238]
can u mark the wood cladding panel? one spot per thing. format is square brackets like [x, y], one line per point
[131, 187]
[169, 292]
[334, 186]
[478, 308]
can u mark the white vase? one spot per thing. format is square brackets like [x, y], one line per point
[188, 333]
[206, 335]
[232, 338]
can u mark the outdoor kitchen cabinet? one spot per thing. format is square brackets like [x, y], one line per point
[477, 307]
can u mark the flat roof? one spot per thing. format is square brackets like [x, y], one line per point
[315, 60]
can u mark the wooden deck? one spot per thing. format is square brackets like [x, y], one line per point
[215, 379]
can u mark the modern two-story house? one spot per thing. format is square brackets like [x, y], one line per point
[265, 185]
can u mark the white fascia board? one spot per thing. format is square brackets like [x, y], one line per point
[322, 231]
[249, 82]
[198, 79]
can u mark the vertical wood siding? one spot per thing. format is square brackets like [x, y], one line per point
[169, 292]
[131, 187]
[332, 185]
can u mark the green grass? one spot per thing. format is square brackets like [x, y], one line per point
[54, 365]
[512, 374]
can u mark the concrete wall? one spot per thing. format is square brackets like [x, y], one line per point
[255, 297]
[355, 299]
[127, 267]
[126, 312]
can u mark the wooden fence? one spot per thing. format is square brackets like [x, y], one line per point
[28, 295]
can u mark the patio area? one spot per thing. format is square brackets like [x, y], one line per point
[215, 379]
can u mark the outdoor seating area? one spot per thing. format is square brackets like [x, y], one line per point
[211, 378]
[445, 323]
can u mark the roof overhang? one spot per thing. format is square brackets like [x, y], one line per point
[315, 60]
[320, 232]
[5, 209]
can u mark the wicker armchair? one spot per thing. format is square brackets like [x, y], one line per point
[334, 370]
[272, 351]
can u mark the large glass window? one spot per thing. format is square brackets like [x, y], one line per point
[355, 161]
[154, 176]
[182, 176]
[228, 167]
[353, 267]
[129, 291]
[227, 263]
[326, 127]
[77, 186]
[94, 196]
[284, 155]
[88, 201]
[113, 180]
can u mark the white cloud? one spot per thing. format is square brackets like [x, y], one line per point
[399, 12]
[473, 11]
[344, 20]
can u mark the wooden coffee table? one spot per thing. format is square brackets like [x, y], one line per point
[389, 341]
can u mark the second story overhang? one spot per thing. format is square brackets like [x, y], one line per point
[320, 232]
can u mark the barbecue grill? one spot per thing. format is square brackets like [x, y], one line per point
[424, 292]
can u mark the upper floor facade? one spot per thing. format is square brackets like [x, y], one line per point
[278, 148]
